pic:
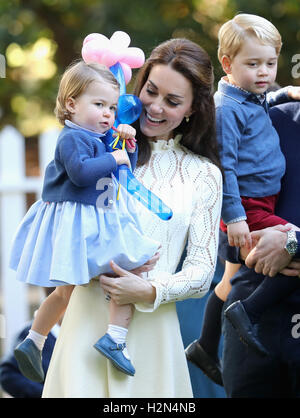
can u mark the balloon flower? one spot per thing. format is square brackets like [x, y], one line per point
[116, 54]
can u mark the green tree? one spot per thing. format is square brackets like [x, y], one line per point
[39, 38]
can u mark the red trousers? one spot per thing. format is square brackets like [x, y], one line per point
[260, 213]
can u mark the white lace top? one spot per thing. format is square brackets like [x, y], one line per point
[192, 186]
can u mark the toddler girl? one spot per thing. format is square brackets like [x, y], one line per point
[69, 236]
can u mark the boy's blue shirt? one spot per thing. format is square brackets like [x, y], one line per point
[80, 160]
[249, 147]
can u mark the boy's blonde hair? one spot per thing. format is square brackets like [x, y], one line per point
[76, 80]
[233, 33]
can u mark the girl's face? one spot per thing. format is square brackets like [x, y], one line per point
[95, 108]
[167, 98]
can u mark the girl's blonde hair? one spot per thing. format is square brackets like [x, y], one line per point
[234, 32]
[76, 80]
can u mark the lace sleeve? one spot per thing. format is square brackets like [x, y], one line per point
[199, 265]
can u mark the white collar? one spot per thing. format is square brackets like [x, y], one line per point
[162, 144]
[261, 97]
[73, 125]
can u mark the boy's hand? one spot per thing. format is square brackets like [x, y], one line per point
[294, 92]
[239, 234]
[128, 133]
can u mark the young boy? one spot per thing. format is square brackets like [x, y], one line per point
[253, 163]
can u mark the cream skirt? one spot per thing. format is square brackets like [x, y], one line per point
[155, 346]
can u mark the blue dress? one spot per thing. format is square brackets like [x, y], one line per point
[69, 243]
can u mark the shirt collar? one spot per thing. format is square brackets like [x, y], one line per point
[73, 125]
[162, 144]
[237, 93]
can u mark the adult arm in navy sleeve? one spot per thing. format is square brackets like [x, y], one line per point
[283, 95]
[11, 379]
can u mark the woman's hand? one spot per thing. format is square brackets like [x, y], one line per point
[127, 287]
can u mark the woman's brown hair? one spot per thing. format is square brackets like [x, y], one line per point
[190, 60]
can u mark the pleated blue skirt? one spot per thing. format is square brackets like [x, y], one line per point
[70, 243]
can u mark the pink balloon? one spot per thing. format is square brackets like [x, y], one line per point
[134, 57]
[127, 72]
[109, 58]
[98, 48]
[96, 36]
[120, 39]
[91, 52]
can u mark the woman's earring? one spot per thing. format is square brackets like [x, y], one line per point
[187, 119]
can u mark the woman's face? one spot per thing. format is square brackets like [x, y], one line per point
[167, 98]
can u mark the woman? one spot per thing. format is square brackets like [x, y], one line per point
[178, 161]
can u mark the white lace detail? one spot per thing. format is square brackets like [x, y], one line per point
[161, 144]
[192, 187]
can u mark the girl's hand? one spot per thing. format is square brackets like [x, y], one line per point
[128, 133]
[130, 145]
[148, 266]
[239, 234]
[121, 157]
[127, 287]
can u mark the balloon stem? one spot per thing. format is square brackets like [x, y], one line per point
[116, 142]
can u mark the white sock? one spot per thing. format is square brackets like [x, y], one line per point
[118, 334]
[38, 339]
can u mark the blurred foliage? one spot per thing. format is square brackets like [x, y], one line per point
[39, 38]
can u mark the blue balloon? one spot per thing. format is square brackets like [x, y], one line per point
[128, 111]
[142, 194]
[117, 71]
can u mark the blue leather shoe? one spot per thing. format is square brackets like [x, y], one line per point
[29, 359]
[247, 332]
[114, 352]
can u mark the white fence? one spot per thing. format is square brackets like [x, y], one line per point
[13, 188]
